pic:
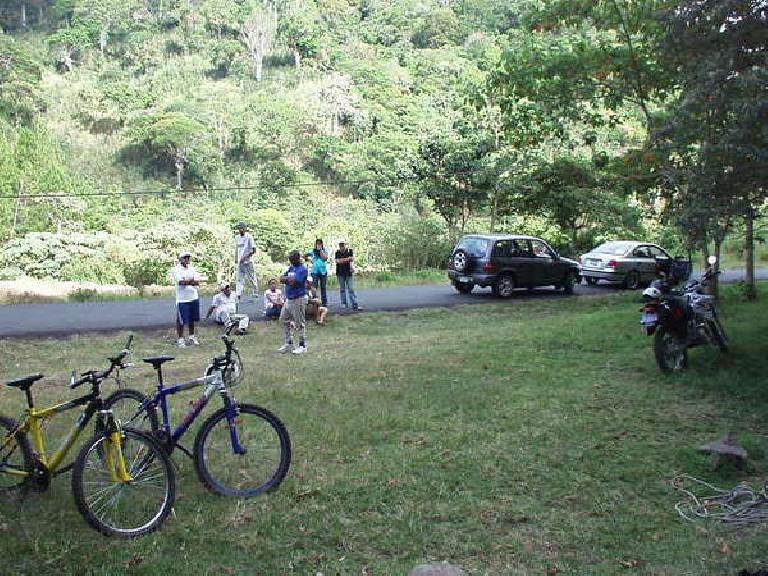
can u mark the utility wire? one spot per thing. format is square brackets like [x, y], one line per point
[196, 189]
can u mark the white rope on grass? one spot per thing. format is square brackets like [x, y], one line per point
[740, 505]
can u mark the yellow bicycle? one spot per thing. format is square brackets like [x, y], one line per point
[123, 481]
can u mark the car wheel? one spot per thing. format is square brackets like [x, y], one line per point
[461, 261]
[569, 281]
[504, 287]
[632, 280]
[463, 287]
[591, 281]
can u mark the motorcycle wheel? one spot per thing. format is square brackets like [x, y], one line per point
[718, 334]
[670, 351]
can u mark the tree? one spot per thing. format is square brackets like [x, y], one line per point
[221, 16]
[103, 16]
[579, 56]
[716, 136]
[258, 32]
[67, 43]
[171, 136]
[20, 94]
[301, 32]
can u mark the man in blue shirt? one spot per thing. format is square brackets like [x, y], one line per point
[296, 283]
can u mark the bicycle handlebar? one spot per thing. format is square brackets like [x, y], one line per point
[96, 376]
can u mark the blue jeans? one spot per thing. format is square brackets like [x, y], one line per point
[346, 284]
[320, 282]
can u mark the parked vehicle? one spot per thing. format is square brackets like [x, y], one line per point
[630, 263]
[505, 262]
[681, 319]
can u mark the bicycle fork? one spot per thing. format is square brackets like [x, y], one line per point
[118, 471]
[232, 422]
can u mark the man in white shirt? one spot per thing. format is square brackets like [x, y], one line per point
[224, 309]
[186, 279]
[245, 248]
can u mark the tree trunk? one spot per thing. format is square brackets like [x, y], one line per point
[23, 14]
[494, 208]
[258, 66]
[296, 57]
[749, 253]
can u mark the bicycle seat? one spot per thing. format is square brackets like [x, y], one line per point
[24, 383]
[157, 361]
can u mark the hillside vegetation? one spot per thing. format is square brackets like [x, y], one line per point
[132, 128]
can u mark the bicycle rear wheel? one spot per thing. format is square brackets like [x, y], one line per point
[126, 408]
[15, 457]
[124, 507]
[260, 465]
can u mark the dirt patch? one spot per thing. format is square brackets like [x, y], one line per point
[31, 290]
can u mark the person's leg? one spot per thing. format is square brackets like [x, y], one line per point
[250, 275]
[240, 282]
[301, 321]
[323, 282]
[343, 289]
[285, 320]
[351, 290]
[322, 312]
[194, 316]
[242, 321]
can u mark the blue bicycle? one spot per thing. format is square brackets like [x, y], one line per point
[240, 450]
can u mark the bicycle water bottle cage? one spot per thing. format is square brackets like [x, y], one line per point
[157, 361]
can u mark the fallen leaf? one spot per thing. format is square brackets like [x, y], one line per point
[725, 548]
[135, 561]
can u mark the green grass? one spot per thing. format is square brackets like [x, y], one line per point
[533, 437]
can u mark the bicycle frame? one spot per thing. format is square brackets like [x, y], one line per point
[213, 383]
[32, 424]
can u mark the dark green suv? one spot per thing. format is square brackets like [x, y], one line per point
[505, 262]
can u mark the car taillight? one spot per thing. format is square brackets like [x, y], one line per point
[612, 264]
[489, 267]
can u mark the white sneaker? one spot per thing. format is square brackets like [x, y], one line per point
[300, 350]
[180, 343]
[193, 340]
[285, 348]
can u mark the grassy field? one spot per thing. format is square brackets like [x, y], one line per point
[533, 437]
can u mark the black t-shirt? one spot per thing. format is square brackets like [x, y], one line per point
[343, 269]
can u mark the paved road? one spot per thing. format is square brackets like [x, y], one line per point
[17, 320]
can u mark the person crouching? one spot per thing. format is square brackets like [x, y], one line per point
[224, 309]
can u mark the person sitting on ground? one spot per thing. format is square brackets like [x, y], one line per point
[273, 301]
[315, 308]
[224, 308]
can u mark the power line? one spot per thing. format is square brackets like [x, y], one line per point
[174, 191]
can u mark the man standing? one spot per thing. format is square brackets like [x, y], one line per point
[244, 251]
[224, 308]
[320, 269]
[295, 280]
[344, 261]
[186, 279]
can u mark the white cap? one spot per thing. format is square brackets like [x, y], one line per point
[184, 253]
[225, 285]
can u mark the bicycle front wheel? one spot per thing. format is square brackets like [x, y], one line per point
[244, 456]
[124, 503]
[15, 457]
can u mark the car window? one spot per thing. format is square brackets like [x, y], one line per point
[657, 252]
[476, 247]
[612, 248]
[641, 252]
[540, 250]
[509, 249]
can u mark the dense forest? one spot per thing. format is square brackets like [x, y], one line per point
[132, 128]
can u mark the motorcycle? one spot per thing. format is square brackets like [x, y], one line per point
[680, 319]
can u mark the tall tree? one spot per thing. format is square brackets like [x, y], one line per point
[258, 33]
[717, 132]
